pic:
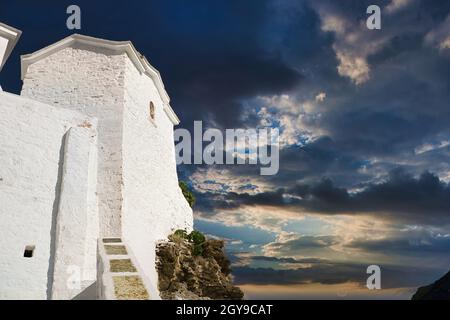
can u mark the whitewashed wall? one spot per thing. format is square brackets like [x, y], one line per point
[77, 222]
[139, 197]
[153, 203]
[31, 160]
[91, 82]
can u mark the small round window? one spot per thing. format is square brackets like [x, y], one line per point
[152, 111]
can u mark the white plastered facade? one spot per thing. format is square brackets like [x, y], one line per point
[117, 176]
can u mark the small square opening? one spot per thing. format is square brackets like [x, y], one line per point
[29, 251]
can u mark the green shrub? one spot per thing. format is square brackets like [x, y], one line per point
[190, 197]
[181, 233]
[196, 237]
[197, 250]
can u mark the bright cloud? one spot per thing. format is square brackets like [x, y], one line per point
[321, 97]
[440, 36]
[354, 67]
[397, 5]
[295, 118]
[431, 146]
[350, 46]
[354, 43]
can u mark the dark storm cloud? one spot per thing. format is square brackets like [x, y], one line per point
[216, 88]
[404, 103]
[402, 106]
[324, 274]
[323, 157]
[426, 247]
[335, 273]
[424, 199]
[240, 258]
[396, 113]
[411, 245]
[288, 260]
[309, 246]
[303, 242]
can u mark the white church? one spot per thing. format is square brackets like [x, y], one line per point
[88, 181]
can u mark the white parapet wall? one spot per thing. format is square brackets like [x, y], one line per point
[32, 163]
[77, 225]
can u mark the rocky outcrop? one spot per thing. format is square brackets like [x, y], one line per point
[185, 274]
[440, 290]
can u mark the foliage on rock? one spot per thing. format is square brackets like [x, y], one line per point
[185, 273]
[179, 235]
[190, 197]
[196, 237]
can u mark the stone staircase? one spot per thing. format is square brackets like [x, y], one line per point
[120, 280]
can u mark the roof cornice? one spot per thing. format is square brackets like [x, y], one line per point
[140, 62]
[13, 35]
